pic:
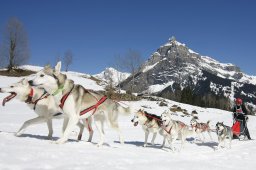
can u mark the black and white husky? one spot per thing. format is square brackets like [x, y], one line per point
[37, 99]
[78, 103]
[223, 132]
[150, 124]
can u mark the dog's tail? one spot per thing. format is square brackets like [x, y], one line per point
[123, 108]
[117, 110]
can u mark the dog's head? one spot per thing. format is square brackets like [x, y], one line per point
[166, 118]
[139, 117]
[49, 78]
[19, 89]
[219, 127]
[193, 122]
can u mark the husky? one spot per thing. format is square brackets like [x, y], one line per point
[223, 132]
[173, 129]
[42, 103]
[150, 124]
[79, 103]
[200, 128]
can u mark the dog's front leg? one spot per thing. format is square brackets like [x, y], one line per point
[72, 121]
[219, 145]
[49, 125]
[64, 126]
[29, 123]
[146, 138]
[163, 142]
[153, 138]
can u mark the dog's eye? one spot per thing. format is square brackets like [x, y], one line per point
[41, 75]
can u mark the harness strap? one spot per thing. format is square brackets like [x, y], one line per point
[102, 100]
[60, 89]
[64, 98]
[30, 97]
[41, 98]
[151, 116]
[169, 132]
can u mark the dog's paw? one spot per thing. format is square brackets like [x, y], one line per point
[18, 134]
[145, 145]
[49, 137]
[60, 141]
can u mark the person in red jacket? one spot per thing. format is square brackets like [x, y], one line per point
[240, 113]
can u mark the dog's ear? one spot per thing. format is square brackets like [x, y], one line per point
[24, 81]
[57, 68]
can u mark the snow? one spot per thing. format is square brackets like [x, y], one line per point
[112, 74]
[191, 51]
[33, 151]
[147, 68]
[158, 87]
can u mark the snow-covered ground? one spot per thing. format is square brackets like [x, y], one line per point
[33, 151]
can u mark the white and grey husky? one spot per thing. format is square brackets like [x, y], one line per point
[38, 100]
[223, 132]
[150, 124]
[78, 103]
[173, 129]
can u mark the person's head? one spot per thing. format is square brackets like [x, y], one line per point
[239, 102]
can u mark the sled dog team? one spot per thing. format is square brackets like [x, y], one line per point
[171, 129]
[52, 95]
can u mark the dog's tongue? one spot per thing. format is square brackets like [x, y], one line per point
[8, 98]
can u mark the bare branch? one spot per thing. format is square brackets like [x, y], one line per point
[68, 59]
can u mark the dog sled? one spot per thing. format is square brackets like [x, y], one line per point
[239, 129]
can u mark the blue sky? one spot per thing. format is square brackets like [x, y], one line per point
[98, 30]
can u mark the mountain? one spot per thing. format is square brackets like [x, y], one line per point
[111, 74]
[174, 67]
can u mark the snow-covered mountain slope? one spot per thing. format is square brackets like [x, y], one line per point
[33, 151]
[111, 75]
[174, 66]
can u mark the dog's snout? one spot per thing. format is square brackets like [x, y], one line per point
[132, 120]
[30, 82]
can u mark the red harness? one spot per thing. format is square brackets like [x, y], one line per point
[30, 97]
[102, 100]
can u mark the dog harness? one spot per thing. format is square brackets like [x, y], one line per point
[30, 97]
[102, 100]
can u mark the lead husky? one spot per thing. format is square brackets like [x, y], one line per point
[74, 99]
[172, 129]
[42, 103]
[223, 132]
[150, 124]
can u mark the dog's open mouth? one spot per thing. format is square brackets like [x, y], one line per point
[8, 98]
[135, 123]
